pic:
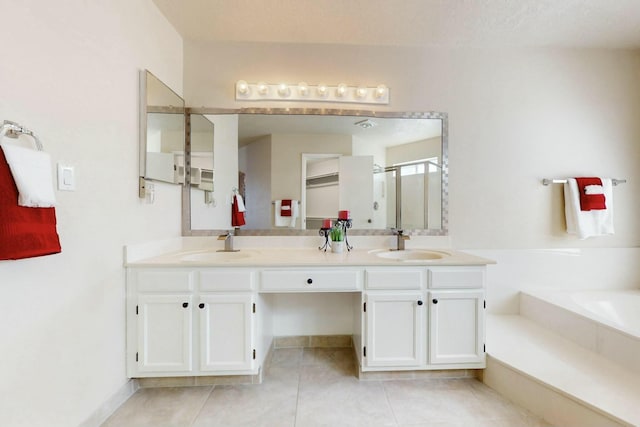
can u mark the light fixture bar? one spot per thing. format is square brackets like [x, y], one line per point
[341, 93]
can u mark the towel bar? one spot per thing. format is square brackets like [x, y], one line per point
[13, 130]
[547, 181]
[273, 202]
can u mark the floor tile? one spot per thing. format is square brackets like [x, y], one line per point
[318, 387]
[327, 356]
[424, 401]
[343, 402]
[286, 357]
[160, 407]
[272, 403]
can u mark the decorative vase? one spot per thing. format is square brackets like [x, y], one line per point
[337, 247]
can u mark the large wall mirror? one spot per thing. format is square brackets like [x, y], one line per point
[162, 131]
[390, 170]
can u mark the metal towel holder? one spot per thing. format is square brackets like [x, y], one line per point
[14, 130]
[548, 181]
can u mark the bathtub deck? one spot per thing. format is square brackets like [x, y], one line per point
[573, 372]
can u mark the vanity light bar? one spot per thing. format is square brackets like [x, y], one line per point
[341, 93]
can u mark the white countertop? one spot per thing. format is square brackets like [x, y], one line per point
[297, 257]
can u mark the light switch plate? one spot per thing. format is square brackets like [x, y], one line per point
[66, 178]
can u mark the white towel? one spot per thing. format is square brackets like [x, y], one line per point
[588, 223]
[31, 171]
[241, 207]
[286, 221]
[594, 189]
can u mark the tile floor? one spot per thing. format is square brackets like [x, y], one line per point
[317, 387]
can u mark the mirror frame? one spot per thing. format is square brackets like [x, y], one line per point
[186, 196]
[142, 130]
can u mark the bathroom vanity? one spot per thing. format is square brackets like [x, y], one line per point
[208, 313]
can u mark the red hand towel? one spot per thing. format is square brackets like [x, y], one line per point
[24, 232]
[285, 208]
[590, 202]
[237, 217]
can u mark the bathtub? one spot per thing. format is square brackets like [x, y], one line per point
[618, 309]
[606, 322]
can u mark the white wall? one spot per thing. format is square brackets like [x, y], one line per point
[70, 72]
[217, 216]
[515, 116]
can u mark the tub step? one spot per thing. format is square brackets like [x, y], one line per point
[611, 343]
[557, 379]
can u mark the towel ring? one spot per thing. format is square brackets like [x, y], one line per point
[14, 130]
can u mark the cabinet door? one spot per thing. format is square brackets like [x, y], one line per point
[226, 332]
[164, 333]
[394, 323]
[456, 327]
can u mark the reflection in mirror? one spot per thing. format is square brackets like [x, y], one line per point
[388, 169]
[200, 177]
[161, 131]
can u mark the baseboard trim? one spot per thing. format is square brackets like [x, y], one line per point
[418, 374]
[108, 407]
[313, 341]
[196, 381]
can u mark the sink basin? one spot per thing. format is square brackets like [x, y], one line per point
[412, 255]
[215, 256]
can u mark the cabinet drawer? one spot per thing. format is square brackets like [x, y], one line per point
[461, 277]
[227, 280]
[394, 278]
[164, 281]
[310, 280]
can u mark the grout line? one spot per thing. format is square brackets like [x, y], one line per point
[386, 395]
[202, 406]
[299, 368]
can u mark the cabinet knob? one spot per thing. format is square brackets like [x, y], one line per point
[435, 301]
[309, 281]
[201, 305]
[419, 302]
[185, 304]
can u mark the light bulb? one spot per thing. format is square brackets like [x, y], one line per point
[381, 91]
[263, 88]
[242, 87]
[341, 90]
[361, 92]
[283, 90]
[322, 90]
[303, 89]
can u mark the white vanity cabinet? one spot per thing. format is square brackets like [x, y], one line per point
[423, 318]
[200, 320]
[161, 326]
[456, 327]
[226, 332]
[188, 322]
[394, 317]
[456, 315]
[395, 324]
[164, 333]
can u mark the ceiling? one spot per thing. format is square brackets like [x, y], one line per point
[447, 23]
[385, 132]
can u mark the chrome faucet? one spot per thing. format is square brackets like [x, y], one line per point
[228, 242]
[400, 238]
